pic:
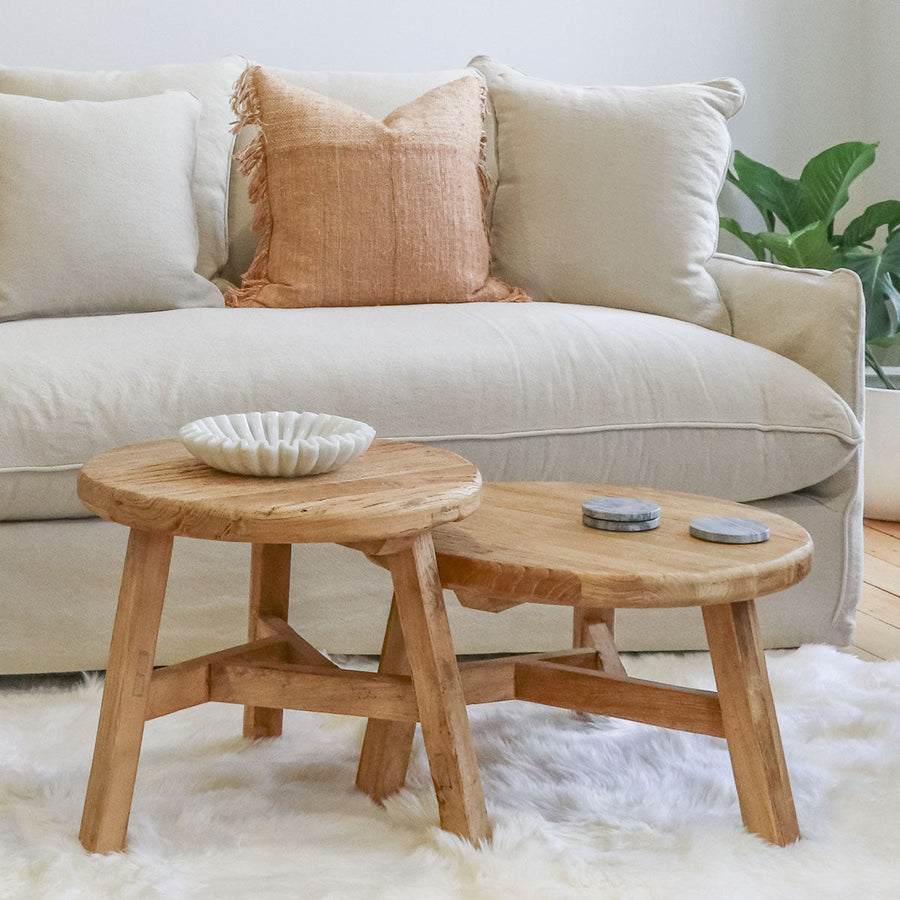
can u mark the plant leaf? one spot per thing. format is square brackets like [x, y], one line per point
[824, 183]
[892, 305]
[877, 272]
[751, 240]
[807, 248]
[770, 192]
[879, 371]
[881, 342]
[862, 229]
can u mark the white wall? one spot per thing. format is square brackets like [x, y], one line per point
[879, 93]
[816, 71]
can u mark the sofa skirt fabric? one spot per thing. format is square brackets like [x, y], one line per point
[541, 391]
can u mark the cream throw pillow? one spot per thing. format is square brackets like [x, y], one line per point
[212, 84]
[353, 211]
[96, 210]
[607, 195]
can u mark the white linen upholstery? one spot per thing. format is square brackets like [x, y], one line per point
[210, 82]
[607, 195]
[813, 317]
[541, 391]
[97, 214]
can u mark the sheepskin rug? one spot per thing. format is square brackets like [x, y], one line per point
[582, 807]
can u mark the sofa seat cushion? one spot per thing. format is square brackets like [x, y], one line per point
[542, 391]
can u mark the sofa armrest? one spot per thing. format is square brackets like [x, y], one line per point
[813, 317]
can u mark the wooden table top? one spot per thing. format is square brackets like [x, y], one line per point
[527, 541]
[392, 489]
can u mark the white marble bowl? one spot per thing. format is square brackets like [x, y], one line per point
[282, 444]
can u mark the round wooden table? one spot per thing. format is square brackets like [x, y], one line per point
[527, 544]
[385, 504]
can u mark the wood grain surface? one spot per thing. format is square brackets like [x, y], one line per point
[527, 543]
[126, 692]
[384, 759]
[394, 488]
[751, 728]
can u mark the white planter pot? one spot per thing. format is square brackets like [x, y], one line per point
[882, 454]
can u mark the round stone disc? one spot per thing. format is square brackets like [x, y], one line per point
[725, 530]
[620, 509]
[603, 525]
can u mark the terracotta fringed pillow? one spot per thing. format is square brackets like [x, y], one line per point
[356, 212]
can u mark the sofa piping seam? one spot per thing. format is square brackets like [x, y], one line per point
[645, 426]
[549, 432]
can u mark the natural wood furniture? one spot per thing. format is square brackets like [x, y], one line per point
[527, 544]
[384, 503]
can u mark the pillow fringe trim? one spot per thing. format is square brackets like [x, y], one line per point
[494, 288]
[484, 177]
[251, 161]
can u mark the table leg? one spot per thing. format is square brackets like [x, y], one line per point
[748, 715]
[596, 627]
[107, 805]
[442, 708]
[270, 588]
[387, 745]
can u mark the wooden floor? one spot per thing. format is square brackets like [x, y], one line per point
[878, 617]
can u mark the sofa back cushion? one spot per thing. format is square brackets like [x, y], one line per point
[97, 214]
[607, 195]
[210, 82]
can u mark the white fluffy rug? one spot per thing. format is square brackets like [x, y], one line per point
[582, 807]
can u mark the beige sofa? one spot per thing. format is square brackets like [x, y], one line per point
[764, 408]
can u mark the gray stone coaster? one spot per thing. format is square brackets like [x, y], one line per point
[620, 509]
[603, 525]
[725, 530]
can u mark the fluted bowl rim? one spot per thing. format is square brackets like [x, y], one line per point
[276, 444]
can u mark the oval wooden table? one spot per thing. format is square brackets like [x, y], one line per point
[527, 544]
[384, 503]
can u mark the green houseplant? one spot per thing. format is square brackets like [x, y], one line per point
[799, 217]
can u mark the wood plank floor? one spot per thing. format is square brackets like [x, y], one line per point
[878, 616]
